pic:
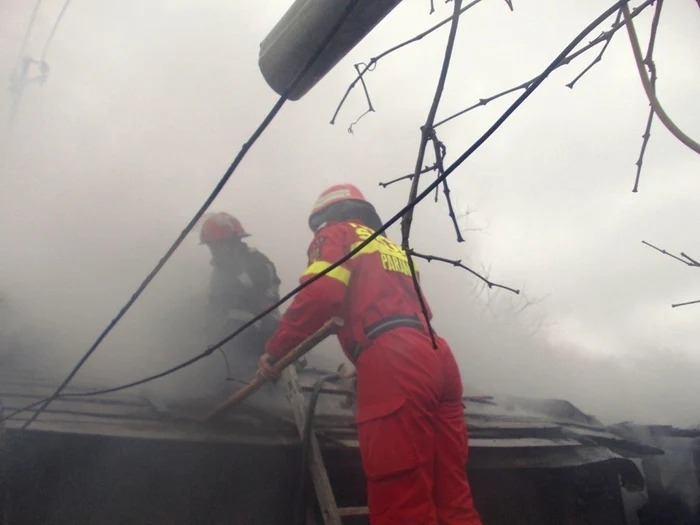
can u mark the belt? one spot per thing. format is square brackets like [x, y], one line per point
[384, 325]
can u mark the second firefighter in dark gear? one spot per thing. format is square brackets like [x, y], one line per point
[243, 283]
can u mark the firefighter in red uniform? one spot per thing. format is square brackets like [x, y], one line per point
[412, 433]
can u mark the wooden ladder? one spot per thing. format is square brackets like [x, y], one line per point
[330, 512]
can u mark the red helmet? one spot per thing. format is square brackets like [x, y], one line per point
[340, 193]
[219, 226]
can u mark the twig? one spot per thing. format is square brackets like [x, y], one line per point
[440, 152]
[427, 129]
[370, 107]
[648, 88]
[645, 140]
[350, 127]
[370, 66]
[53, 30]
[649, 62]
[603, 37]
[426, 133]
[458, 264]
[408, 177]
[685, 304]
[689, 262]
[692, 262]
[597, 59]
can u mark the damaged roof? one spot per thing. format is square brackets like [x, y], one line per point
[507, 432]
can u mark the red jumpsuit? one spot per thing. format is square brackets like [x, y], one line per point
[412, 433]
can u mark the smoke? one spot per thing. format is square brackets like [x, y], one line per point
[145, 107]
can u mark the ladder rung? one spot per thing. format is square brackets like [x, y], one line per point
[353, 511]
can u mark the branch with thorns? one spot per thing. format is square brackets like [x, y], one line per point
[362, 68]
[603, 38]
[685, 259]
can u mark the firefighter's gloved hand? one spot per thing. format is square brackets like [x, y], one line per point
[266, 367]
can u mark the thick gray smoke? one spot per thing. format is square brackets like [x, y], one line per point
[146, 105]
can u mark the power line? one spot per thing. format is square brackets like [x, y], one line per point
[244, 149]
[427, 191]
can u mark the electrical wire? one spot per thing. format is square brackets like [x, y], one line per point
[420, 197]
[236, 162]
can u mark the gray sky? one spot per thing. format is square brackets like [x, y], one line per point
[147, 103]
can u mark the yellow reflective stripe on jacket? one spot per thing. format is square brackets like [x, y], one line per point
[393, 257]
[339, 273]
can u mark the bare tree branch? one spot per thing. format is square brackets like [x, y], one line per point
[649, 62]
[440, 152]
[597, 59]
[685, 304]
[350, 127]
[427, 129]
[604, 37]
[371, 65]
[426, 133]
[648, 88]
[692, 262]
[689, 262]
[370, 107]
[527, 303]
[408, 177]
[645, 140]
[458, 264]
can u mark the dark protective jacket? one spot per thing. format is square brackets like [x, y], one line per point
[242, 285]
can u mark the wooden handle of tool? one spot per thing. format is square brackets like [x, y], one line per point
[299, 351]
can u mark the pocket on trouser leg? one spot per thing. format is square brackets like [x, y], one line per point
[398, 489]
[385, 444]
